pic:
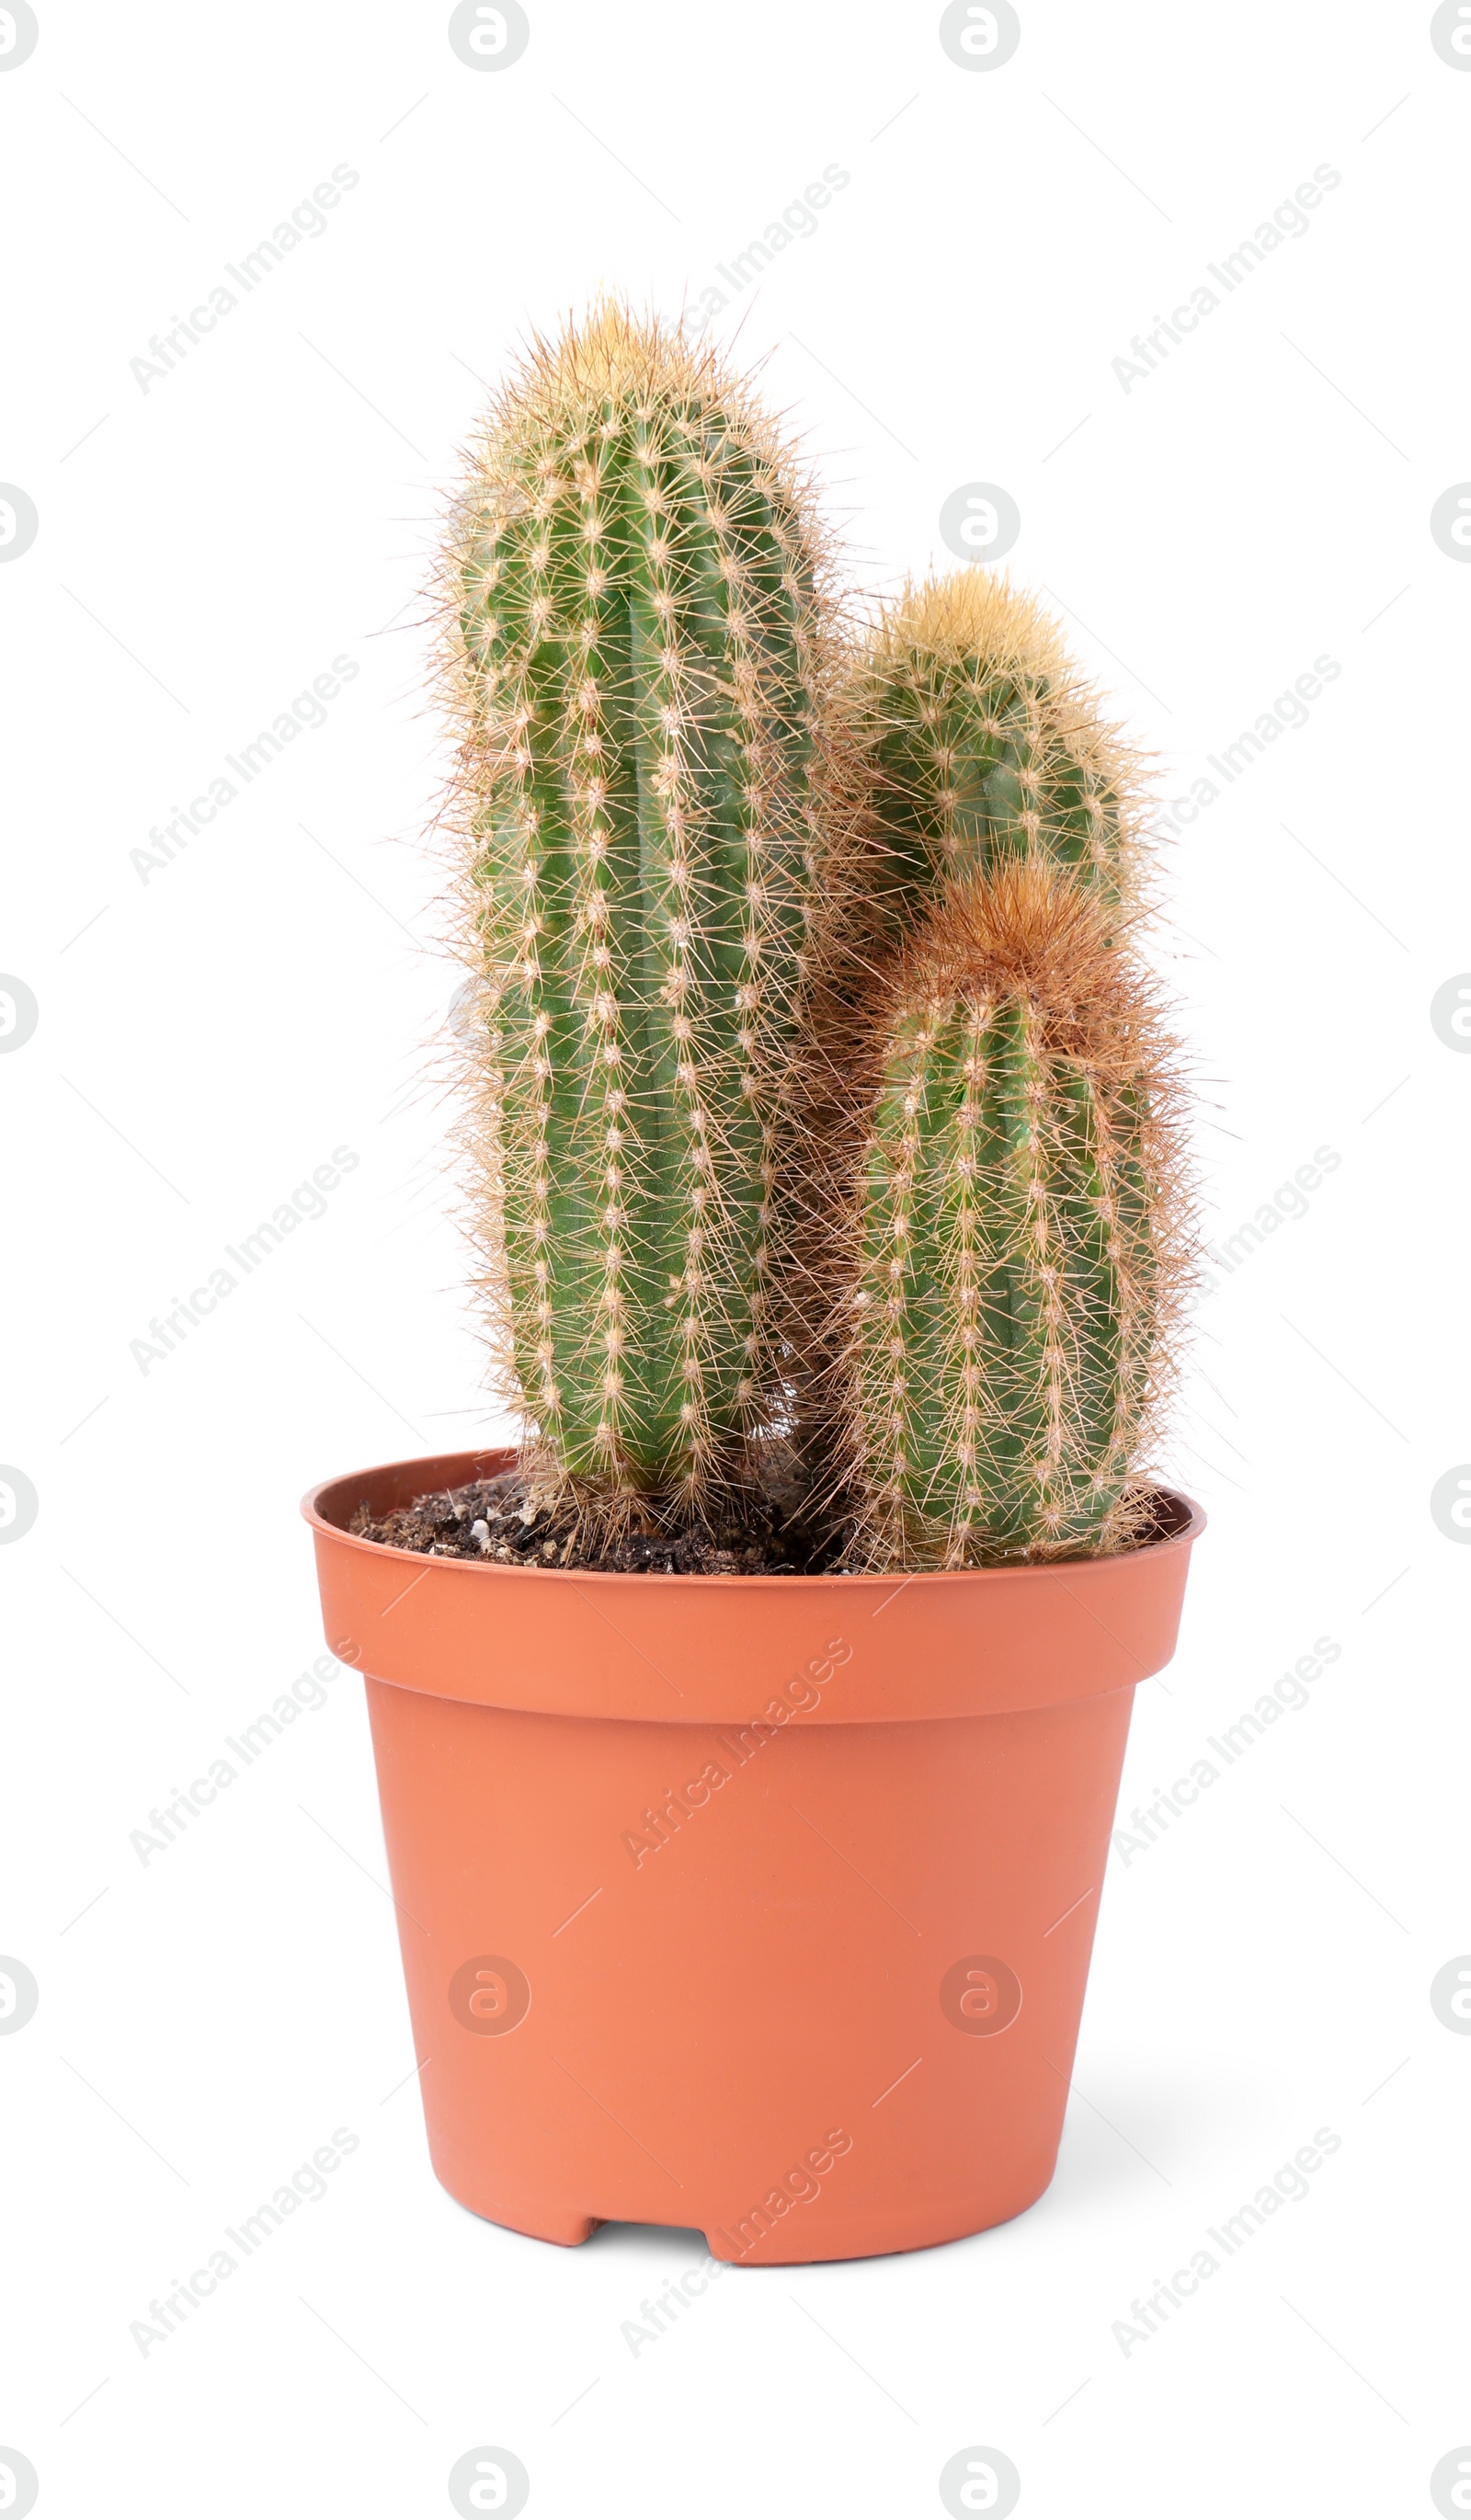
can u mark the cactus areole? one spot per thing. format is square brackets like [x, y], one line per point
[634, 660]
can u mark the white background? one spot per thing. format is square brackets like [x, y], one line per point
[208, 1036]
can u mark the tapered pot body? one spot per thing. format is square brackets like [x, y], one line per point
[760, 1904]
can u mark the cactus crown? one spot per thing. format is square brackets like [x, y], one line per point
[984, 745]
[1008, 1258]
[636, 663]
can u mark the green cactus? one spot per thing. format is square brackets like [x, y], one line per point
[1010, 1262]
[637, 665]
[985, 745]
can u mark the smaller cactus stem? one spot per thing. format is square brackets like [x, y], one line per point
[1015, 1235]
[986, 745]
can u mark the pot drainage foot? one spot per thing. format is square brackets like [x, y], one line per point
[565, 2230]
[562, 2226]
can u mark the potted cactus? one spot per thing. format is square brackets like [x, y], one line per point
[748, 1735]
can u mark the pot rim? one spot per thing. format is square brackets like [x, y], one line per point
[1190, 1521]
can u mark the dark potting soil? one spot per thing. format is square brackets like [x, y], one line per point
[491, 1521]
[773, 1531]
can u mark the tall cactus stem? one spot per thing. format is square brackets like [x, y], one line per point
[636, 660]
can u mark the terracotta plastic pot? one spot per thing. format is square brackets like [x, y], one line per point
[760, 1904]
